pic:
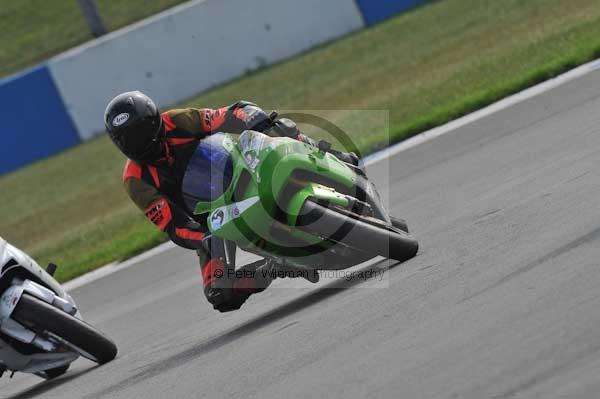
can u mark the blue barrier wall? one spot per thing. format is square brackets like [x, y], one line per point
[35, 122]
[375, 11]
[46, 109]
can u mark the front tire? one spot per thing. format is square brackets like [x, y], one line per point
[369, 235]
[41, 317]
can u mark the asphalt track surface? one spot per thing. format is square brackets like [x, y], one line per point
[503, 300]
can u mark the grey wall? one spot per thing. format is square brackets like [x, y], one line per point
[190, 48]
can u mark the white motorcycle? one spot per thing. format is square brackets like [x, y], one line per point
[41, 330]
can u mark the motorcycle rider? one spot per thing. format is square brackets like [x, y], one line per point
[158, 147]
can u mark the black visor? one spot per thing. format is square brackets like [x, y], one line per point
[141, 141]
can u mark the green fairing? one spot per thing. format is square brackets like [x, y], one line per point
[262, 217]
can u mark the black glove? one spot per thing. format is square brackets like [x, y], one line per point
[284, 127]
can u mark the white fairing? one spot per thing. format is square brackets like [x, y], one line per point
[44, 288]
[8, 252]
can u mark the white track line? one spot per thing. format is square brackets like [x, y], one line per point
[375, 157]
[114, 267]
[484, 112]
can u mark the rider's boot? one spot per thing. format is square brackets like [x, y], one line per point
[217, 287]
[217, 265]
[227, 289]
[254, 277]
[248, 280]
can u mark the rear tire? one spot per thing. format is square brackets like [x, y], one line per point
[371, 236]
[40, 316]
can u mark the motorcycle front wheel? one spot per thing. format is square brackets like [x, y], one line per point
[44, 318]
[369, 235]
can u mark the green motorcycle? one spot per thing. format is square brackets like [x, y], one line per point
[291, 202]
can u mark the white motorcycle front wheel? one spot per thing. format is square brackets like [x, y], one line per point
[46, 320]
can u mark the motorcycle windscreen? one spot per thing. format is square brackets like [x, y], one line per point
[209, 172]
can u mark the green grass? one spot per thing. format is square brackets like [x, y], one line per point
[33, 30]
[426, 67]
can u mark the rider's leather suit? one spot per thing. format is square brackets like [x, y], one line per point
[156, 190]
